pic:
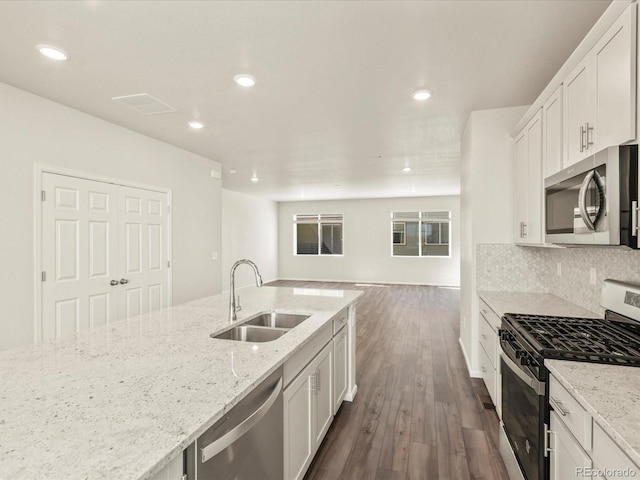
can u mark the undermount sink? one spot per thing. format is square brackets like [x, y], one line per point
[277, 320]
[264, 327]
[251, 334]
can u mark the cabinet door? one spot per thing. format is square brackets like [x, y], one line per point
[552, 134]
[609, 456]
[323, 390]
[298, 425]
[578, 97]
[567, 459]
[615, 82]
[533, 227]
[520, 193]
[340, 365]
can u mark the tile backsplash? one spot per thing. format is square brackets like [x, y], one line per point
[506, 267]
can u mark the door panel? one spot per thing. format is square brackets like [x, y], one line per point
[92, 234]
[78, 238]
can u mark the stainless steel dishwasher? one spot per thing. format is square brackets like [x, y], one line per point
[246, 443]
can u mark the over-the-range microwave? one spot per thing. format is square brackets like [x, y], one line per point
[595, 201]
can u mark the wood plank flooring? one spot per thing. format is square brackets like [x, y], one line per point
[417, 414]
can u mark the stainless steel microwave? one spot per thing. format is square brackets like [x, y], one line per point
[595, 201]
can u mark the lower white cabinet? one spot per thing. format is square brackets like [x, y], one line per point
[340, 368]
[172, 471]
[490, 354]
[308, 413]
[566, 457]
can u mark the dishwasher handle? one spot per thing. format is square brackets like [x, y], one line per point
[247, 424]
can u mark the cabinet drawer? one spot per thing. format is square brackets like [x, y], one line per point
[607, 456]
[340, 320]
[576, 418]
[488, 375]
[488, 340]
[489, 315]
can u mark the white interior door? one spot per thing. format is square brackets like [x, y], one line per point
[104, 252]
[79, 226]
[143, 264]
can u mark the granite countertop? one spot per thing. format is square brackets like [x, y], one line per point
[533, 303]
[610, 393]
[123, 400]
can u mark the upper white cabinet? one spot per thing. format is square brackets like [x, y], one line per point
[528, 183]
[600, 93]
[552, 153]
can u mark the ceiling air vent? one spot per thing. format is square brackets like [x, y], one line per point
[145, 103]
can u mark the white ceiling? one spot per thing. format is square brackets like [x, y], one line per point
[331, 115]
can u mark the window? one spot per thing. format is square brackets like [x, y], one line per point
[420, 234]
[319, 234]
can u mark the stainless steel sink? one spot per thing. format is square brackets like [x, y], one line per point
[251, 334]
[277, 320]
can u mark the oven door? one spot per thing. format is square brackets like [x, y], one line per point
[523, 416]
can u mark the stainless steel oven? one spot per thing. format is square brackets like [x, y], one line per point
[595, 202]
[525, 409]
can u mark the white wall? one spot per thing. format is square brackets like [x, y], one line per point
[487, 156]
[249, 230]
[35, 130]
[367, 243]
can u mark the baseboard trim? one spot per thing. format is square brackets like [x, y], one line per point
[472, 373]
[352, 394]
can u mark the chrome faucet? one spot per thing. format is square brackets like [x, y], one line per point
[233, 308]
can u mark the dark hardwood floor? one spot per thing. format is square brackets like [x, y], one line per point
[417, 414]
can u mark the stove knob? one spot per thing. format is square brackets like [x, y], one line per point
[525, 360]
[520, 353]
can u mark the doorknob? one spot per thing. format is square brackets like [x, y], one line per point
[114, 283]
[123, 281]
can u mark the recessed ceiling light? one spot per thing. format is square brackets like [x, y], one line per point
[54, 53]
[244, 80]
[195, 124]
[406, 169]
[254, 179]
[422, 94]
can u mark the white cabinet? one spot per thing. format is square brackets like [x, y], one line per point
[340, 368]
[600, 93]
[552, 152]
[490, 354]
[567, 459]
[528, 183]
[308, 412]
[172, 471]
[607, 457]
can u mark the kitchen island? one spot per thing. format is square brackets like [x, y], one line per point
[123, 400]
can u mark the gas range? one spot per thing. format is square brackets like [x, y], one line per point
[527, 340]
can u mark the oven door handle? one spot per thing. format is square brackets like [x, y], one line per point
[531, 381]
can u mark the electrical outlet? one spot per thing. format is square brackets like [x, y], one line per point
[559, 269]
[592, 275]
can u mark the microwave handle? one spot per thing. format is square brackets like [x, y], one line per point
[582, 201]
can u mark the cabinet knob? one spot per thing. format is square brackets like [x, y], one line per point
[124, 281]
[113, 283]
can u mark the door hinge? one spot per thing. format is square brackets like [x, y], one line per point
[43, 196]
[44, 276]
[168, 263]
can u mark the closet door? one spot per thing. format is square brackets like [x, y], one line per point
[79, 232]
[142, 242]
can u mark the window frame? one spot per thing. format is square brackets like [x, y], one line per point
[404, 232]
[321, 219]
[422, 218]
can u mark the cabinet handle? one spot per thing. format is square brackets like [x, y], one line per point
[557, 406]
[483, 370]
[634, 218]
[318, 383]
[581, 139]
[587, 129]
[525, 229]
[484, 337]
[521, 229]
[547, 440]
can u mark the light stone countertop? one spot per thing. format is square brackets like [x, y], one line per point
[533, 303]
[610, 393]
[121, 401]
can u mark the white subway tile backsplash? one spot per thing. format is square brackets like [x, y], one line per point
[504, 267]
